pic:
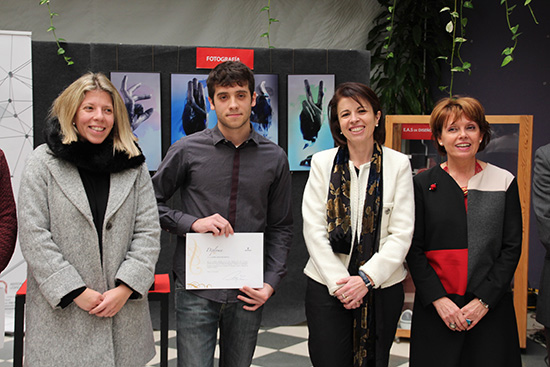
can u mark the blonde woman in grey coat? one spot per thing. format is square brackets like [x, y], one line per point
[89, 231]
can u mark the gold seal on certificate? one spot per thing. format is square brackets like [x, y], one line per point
[219, 262]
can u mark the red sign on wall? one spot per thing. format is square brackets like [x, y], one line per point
[416, 132]
[208, 58]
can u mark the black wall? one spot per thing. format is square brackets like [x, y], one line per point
[51, 75]
[520, 88]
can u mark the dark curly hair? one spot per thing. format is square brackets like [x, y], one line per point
[228, 74]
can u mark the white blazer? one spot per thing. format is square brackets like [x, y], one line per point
[385, 267]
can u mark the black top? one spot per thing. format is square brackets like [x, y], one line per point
[96, 185]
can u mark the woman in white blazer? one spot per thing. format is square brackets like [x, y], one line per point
[90, 235]
[358, 211]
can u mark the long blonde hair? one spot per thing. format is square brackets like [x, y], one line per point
[66, 104]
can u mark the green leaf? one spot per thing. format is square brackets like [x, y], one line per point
[445, 9]
[390, 55]
[386, 47]
[466, 65]
[442, 58]
[417, 34]
[506, 61]
[527, 2]
[390, 9]
[457, 69]
[264, 34]
[511, 9]
[449, 27]
[60, 51]
[502, 2]
[443, 88]
[464, 22]
[61, 39]
[54, 15]
[460, 40]
[389, 28]
[514, 29]
[68, 60]
[52, 28]
[265, 8]
[468, 4]
[271, 46]
[455, 14]
[412, 100]
[42, 2]
[508, 51]
[516, 36]
[273, 20]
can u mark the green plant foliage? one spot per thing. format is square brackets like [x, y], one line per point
[457, 24]
[270, 20]
[509, 51]
[51, 28]
[410, 41]
[406, 43]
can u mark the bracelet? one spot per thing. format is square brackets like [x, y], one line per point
[483, 303]
[366, 279]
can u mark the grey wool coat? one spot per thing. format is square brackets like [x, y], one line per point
[60, 244]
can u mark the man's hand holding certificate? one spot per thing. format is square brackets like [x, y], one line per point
[220, 262]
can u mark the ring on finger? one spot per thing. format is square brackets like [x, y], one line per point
[452, 325]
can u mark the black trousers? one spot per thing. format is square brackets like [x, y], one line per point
[330, 325]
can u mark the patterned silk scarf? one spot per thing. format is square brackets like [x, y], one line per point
[340, 237]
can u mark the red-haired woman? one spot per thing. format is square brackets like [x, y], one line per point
[465, 249]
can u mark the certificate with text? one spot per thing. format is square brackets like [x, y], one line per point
[219, 262]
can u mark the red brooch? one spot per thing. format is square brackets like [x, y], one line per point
[433, 187]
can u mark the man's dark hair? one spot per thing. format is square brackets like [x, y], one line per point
[228, 74]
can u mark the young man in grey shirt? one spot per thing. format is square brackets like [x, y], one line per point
[230, 179]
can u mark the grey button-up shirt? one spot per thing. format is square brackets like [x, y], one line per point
[201, 166]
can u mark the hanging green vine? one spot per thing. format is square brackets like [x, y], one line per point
[407, 45]
[389, 28]
[458, 21]
[60, 50]
[270, 20]
[508, 51]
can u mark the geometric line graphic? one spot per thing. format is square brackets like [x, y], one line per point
[16, 138]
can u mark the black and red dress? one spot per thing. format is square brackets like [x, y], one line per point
[466, 244]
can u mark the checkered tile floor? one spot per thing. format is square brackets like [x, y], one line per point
[286, 346]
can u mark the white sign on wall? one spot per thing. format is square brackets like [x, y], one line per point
[16, 139]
